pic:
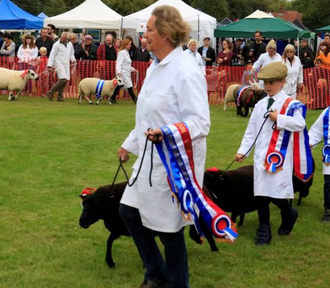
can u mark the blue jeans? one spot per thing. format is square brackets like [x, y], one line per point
[175, 269]
[326, 191]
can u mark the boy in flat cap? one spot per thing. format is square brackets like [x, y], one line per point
[280, 121]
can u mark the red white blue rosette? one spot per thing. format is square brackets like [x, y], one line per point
[275, 161]
[326, 154]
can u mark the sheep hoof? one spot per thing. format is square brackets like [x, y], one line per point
[111, 264]
[91, 103]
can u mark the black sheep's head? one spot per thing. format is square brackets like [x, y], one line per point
[92, 210]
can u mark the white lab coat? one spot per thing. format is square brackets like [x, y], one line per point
[174, 91]
[278, 185]
[263, 61]
[294, 77]
[197, 58]
[123, 66]
[316, 135]
[60, 57]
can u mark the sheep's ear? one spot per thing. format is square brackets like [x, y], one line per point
[251, 83]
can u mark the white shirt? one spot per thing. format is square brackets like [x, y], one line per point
[174, 91]
[197, 58]
[278, 185]
[60, 57]
[27, 55]
[294, 77]
[123, 66]
[263, 61]
[316, 135]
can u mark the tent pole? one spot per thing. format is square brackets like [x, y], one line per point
[121, 28]
[198, 28]
[298, 47]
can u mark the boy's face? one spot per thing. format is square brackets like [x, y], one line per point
[273, 87]
[43, 53]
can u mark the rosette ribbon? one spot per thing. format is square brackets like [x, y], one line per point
[180, 168]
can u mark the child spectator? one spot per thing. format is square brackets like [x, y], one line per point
[42, 71]
[273, 156]
[248, 74]
[318, 132]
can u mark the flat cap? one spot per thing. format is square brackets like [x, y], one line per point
[273, 71]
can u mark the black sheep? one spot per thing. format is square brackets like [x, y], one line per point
[104, 204]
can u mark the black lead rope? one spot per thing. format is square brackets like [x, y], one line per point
[266, 116]
[121, 166]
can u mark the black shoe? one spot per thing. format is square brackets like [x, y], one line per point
[153, 284]
[50, 96]
[112, 101]
[326, 215]
[288, 222]
[60, 100]
[264, 235]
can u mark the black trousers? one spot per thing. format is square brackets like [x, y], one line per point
[130, 92]
[263, 208]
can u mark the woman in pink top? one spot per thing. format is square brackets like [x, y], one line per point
[225, 56]
[27, 55]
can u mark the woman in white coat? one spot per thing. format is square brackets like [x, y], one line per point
[295, 79]
[123, 70]
[269, 57]
[192, 51]
[174, 91]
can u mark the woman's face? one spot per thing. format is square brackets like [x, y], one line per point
[28, 40]
[128, 45]
[224, 45]
[193, 47]
[271, 52]
[289, 53]
[118, 43]
[155, 41]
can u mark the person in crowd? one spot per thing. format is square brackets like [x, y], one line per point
[272, 183]
[248, 74]
[326, 36]
[225, 56]
[44, 41]
[269, 57]
[78, 50]
[324, 55]
[295, 78]
[27, 55]
[207, 52]
[133, 50]
[142, 53]
[118, 43]
[89, 48]
[304, 47]
[51, 32]
[258, 47]
[124, 70]
[318, 132]
[237, 51]
[307, 60]
[59, 58]
[8, 47]
[107, 50]
[1, 38]
[192, 50]
[42, 71]
[182, 98]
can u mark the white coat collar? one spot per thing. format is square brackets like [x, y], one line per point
[177, 51]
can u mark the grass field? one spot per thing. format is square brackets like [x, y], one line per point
[50, 151]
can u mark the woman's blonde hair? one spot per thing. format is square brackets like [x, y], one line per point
[169, 22]
[288, 47]
[271, 45]
[192, 41]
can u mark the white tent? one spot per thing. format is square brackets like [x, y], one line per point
[90, 14]
[201, 23]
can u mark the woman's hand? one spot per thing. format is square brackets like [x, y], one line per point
[123, 154]
[239, 157]
[155, 135]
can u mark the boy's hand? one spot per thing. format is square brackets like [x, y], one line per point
[273, 116]
[239, 157]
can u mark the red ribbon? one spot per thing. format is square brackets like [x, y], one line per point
[24, 73]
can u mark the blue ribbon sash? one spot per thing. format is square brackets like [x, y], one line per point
[99, 87]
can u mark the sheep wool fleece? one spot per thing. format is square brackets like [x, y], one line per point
[182, 99]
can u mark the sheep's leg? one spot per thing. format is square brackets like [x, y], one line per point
[79, 98]
[88, 100]
[246, 111]
[15, 97]
[224, 105]
[99, 100]
[241, 219]
[108, 257]
[208, 235]
[10, 96]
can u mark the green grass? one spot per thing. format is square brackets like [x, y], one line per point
[50, 151]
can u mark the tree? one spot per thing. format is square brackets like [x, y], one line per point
[127, 7]
[33, 8]
[216, 8]
[53, 7]
[70, 4]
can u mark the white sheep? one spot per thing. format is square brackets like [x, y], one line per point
[13, 80]
[97, 87]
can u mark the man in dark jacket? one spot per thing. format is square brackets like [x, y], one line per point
[258, 47]
[142, 52]
[78, 50]
[44, 41]
[106, 50]
[207, 52]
